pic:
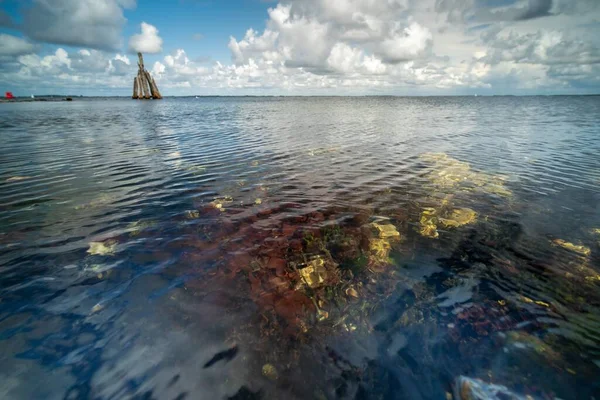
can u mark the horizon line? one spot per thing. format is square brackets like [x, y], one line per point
[309, 95]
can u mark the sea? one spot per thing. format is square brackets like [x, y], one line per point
[300, 248]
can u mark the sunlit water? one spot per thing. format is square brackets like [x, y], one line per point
[155, 249]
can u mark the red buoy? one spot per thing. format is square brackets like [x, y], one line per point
[9, 95]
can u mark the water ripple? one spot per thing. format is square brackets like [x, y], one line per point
[139, 240]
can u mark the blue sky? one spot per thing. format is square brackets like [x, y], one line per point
[216, 21]
[181, 21]
[302, 46]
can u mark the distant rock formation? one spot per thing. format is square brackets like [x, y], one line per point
[144, 86]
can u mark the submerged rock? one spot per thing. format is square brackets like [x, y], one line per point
[451, 175]
[428, 226]
[459, 217]
[315, 273]
[497, 189]
[380, 245]
[379, 250]
[432, 217]
[220, 202]
[270, 372]
[385, 231]
[475, 389]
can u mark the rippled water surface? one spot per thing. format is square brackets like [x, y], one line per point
[299, 248]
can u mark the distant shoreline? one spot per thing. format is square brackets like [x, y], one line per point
[41, 99]
[56, 98]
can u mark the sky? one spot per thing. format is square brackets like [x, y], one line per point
[302, 47]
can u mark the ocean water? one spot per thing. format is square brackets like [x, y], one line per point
[299, 248]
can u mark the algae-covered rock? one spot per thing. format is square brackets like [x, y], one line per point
[579, 249]
[380, 246]
[429, 230]
[593, 278]
[105, 248]
[459, 217]
[428, 223]
[385, 230]
[451, 175]
[315, 273]
[270, 372]
[447, 171]
[220, 202]
[497, 189]
[379, 250]
[432, 217]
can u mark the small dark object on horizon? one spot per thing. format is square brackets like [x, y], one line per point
[69, 99]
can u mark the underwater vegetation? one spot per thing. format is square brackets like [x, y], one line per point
[325, 271]
[450, 175]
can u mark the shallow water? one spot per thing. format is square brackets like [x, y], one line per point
[156, 249]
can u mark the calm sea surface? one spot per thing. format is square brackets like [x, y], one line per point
[300, 248]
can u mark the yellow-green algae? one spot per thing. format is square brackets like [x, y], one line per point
[220, 202]
[459, 217]
[431, 218]
[315, 273]
[451, 175]
[380, 246]
[428, 223]
[575, 248]
[106, 248]
[270, 372]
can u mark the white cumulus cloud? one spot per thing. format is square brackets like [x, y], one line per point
[331, 47]
[405, 44]
[147, 41]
